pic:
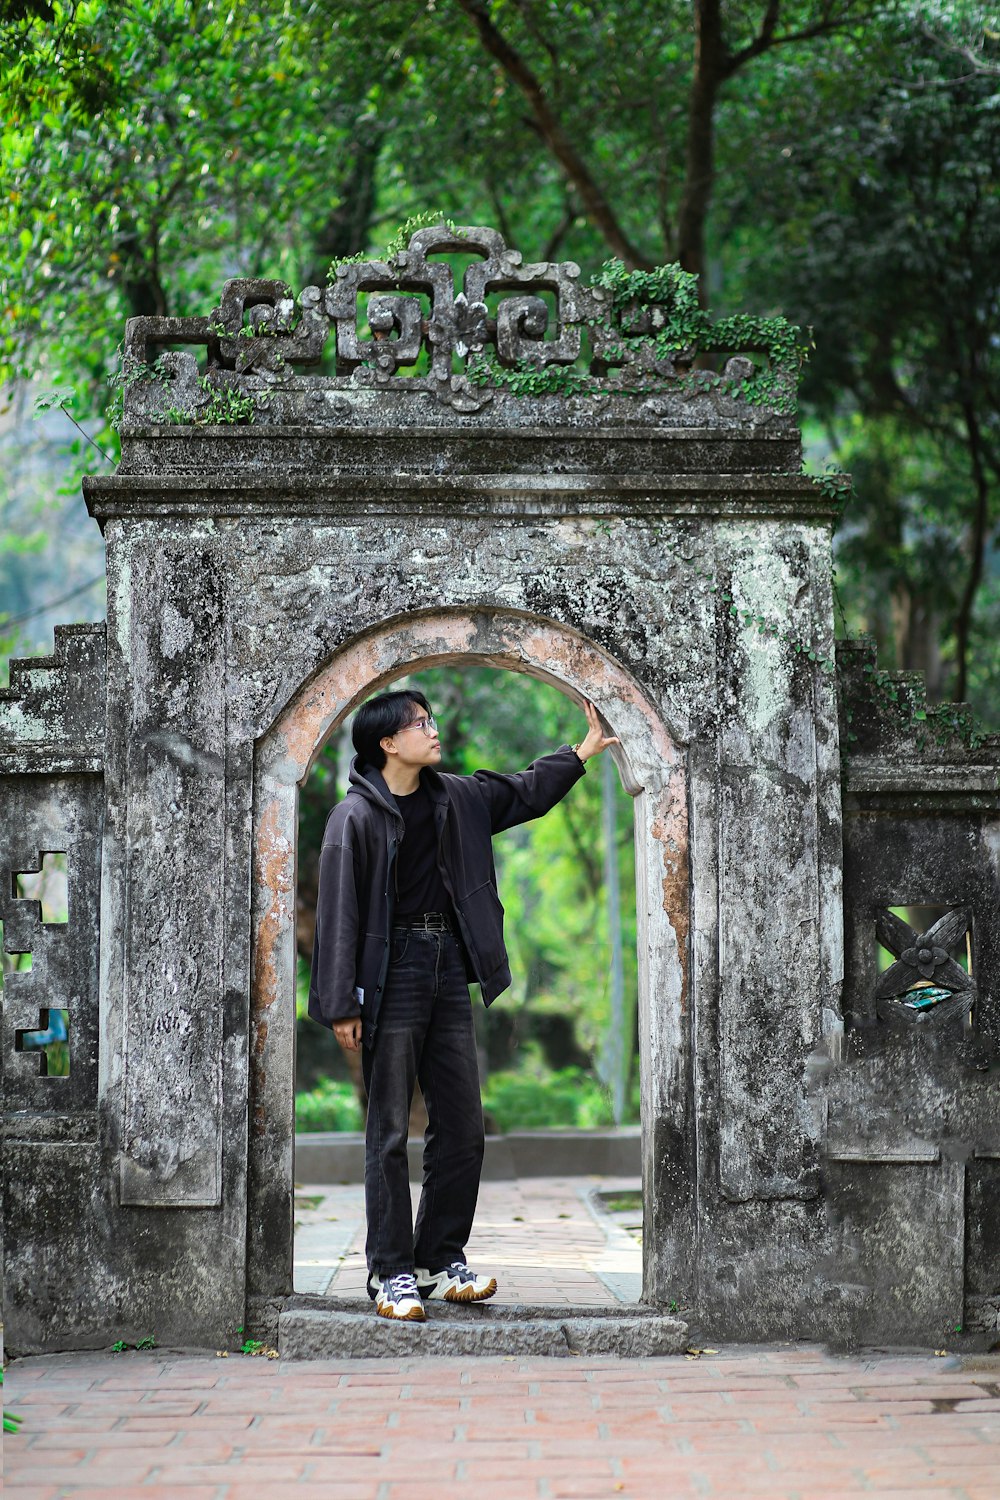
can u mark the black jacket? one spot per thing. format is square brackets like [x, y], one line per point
[357, 886]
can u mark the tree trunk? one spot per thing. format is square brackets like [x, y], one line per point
[699, 158]
[558, 140]
[346, 230]
[976, 547]
[917, 638]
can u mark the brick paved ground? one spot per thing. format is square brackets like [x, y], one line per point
[540, 1236]
[775, 1423]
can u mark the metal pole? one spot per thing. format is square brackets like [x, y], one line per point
[617, 1055]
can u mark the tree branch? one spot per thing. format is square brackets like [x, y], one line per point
[766, 40]
[595, 204]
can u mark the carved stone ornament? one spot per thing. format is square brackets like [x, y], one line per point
[426, 333]
[925, 984]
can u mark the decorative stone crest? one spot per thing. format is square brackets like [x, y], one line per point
[533, 328]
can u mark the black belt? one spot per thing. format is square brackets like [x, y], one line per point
[429, 921]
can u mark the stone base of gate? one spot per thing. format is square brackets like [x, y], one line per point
[342, 1328]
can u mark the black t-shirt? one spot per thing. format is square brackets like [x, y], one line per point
[419, 887]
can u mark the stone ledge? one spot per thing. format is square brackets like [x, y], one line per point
[335, 1156]
[352, 1330]
[270, 492]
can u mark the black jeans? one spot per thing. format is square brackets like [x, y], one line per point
[424, 1032]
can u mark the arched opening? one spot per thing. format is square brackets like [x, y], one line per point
[557, 1052]
[652, 772]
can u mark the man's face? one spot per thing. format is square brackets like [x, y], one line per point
[417, 742]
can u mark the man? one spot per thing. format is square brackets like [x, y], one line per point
[407, 915]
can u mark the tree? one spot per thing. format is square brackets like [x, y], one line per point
[892, 251]
[724, 41]
[784, 149]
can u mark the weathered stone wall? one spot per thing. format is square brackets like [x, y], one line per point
[52, 801]
[913, 1111]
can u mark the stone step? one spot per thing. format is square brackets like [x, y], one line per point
[339, 1156]
[349, 1328]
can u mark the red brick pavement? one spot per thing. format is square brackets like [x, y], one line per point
[789, 1423]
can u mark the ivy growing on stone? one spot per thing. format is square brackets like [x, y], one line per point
[667, 298]
[527, 378]
[399, 241]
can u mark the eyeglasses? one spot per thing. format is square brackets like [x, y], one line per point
[428, 725]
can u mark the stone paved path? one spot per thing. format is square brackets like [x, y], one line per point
[542, 1237]
[790, 1423]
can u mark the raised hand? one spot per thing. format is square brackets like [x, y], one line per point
[595, 740]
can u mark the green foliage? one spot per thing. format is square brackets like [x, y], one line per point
[399, 241]
[534, 1097]
[132, 372]
[332, 1105]
[11, 1420]
[890, 246]
[688, 327]
[622, 1203]
[150, 152]
[252, 1346]
[668, 287]
[60, 398]
[527, 378]
[682, 326]
[403, 235]
[225, 407]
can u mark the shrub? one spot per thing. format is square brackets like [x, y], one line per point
[331, 1105]
[533, 1100]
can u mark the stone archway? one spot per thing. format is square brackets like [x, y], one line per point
[263, 575]
[653, 772]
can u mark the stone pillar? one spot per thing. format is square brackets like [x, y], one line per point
[166, 759]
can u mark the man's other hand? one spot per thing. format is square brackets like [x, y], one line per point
[595, 740]
[348, 1033]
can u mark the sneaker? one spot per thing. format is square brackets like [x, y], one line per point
[455, 1283]
[397, 1297]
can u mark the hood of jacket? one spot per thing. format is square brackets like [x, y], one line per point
[368, 782]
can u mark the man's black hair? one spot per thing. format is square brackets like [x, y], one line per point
[380, 718]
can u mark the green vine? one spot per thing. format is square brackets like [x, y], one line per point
[398, 243]
[527, 378]
[837, 489]
[940, 724]
[132, 372]
[672, 295]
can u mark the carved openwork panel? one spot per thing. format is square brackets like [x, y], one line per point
[49, 923]
[926, 985]
[460, 334]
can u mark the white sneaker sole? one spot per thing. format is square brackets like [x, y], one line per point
[450, 1289]
[413, 1314]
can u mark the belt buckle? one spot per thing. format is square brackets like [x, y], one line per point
[435, 922]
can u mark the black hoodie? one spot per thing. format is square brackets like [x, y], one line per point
[357, 889]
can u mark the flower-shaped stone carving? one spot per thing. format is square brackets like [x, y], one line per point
[922, 955]
[461, 327]
[925, 960]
